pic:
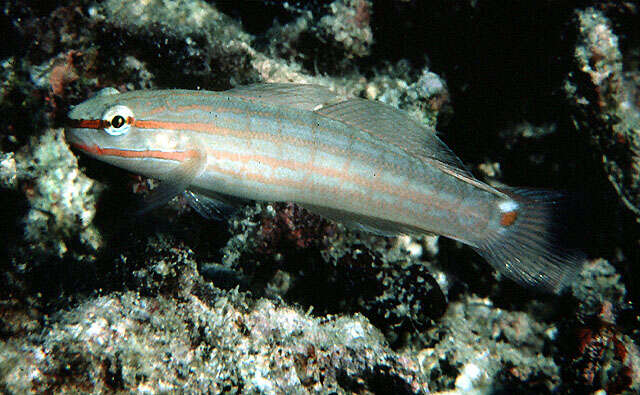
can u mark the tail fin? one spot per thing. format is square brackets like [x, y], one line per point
[529, 244]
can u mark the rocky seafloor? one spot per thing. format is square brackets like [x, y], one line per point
[275, 299]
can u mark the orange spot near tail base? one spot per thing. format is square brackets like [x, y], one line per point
[508, 218]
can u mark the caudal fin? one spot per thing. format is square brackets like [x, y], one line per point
[529, 244]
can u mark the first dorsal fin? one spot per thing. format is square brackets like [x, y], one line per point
[300, 96]
[394, 127]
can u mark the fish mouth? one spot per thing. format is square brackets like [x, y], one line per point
[72, 137]
[84, 147]
[87, 148]
[78, 139]
[91, 149]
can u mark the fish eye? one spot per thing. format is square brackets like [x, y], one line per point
[117, 120]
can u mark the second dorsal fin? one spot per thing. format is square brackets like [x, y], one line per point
[463, 176]
[394, 127]
[386, 123]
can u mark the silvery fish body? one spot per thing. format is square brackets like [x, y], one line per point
[361, 162]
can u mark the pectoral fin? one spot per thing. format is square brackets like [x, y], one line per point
[175, 182]
[212, 206]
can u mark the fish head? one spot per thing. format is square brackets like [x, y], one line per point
[107, 127]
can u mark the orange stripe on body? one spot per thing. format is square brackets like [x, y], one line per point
[392, 190]
[279, 138]
[256, 177]
[380, 187]
[175, 156]
[251, 135]
[331, 191]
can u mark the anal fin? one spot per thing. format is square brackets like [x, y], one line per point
[377, 226]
